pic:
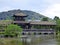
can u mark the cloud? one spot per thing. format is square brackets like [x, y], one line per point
[21, 4]
[49, 8]
[12, 4]
[6, 8]
[53, 10]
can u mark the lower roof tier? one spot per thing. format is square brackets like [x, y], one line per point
[35, 22]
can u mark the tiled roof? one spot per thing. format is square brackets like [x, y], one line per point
[43, 22]
[20, 14]
[36, 22]
[20, 22]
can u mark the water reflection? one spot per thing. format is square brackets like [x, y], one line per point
[40, 40]
[58, 40]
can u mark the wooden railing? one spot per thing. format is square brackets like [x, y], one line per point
[39, 30]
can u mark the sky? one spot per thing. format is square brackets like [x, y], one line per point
[49, 8]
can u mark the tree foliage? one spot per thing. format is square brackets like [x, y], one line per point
[13, 30]
[56, 18]
[58, 24]
[45, 19]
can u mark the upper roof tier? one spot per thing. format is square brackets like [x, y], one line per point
[20, 14]
[21, 22]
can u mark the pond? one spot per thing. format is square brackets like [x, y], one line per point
[41, 40]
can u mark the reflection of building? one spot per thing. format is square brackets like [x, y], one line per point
[34, 26]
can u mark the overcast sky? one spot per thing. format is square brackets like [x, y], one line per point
[49, 8]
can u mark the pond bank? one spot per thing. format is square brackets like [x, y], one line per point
[10, 41]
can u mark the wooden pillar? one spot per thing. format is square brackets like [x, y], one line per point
[40, 26]
[49, 27]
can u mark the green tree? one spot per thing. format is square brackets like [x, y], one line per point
[33, 19]
[58, 27]
[13, 30]
[58, 24]
[45, 19]
[56, 18]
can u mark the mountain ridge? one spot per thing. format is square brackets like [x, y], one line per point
[31, 14]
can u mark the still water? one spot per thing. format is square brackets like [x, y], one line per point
[41, 40]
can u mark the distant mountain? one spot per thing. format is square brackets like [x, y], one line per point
[31, 15]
